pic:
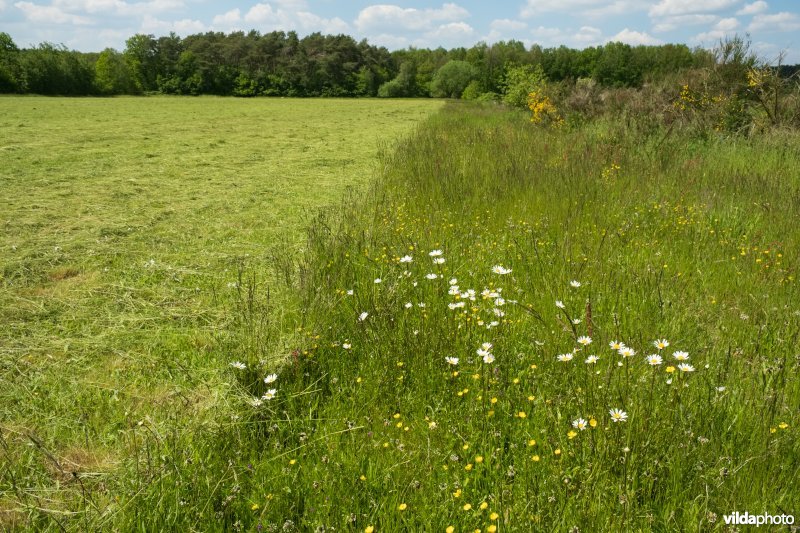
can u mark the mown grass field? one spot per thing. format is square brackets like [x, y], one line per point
[441, 357]
[124, 225]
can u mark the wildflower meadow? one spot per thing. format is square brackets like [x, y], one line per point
[513, 325]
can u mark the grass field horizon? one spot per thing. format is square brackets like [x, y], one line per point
[511, 328]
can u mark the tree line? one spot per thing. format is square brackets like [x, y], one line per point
[283, 64]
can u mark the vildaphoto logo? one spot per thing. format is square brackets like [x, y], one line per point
[747, 519]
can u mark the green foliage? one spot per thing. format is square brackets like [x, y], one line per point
[403, 85]
[113, 74]
[473, 91]
[452, 78]
[54, 70]
[519, 82]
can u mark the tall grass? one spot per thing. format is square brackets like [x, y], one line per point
[369, 422]
[371, 425]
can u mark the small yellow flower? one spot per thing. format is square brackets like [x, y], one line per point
[457, 493]
[593, 422]
[516, 380]
[772, 430]
[492, 528]
[522, 414]
[402, 507]
[450, 529]
[531, 442]
[293, 461]
[465, 447]
[783, 425]
[483, 506]
[362, 477]
[670, 369]
[493, 400]
[478, 458]
[535, 458]
[494, 516]
[358, 380]
[254, 507]
[468, 467]
[558, 451]
[571, 434]
[397, 415]
[369, 529]
[531, 398]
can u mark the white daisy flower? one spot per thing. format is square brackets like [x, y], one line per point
[560, 304]
[683, 367]
[580, 424]
[488, 358]
[347, 345]
[435, 253]
[661, 343]
[681, 356]
[238, 365]
[576, 321]
[409, 305]
[585, 340]
[378, 280]
[350, 292]
[498, 269]
[456, 305]
[270, 378]
[406, 259]
[481, 352]
[591, 360]
[451, 360]
[270, 394]
[431, 276]
[453, 290]
[616, 345]
[627, 351]
[438, 260]
[618, 415]
[255, 402]
[453, 281]
[654, 360]
[564, 357]
[575, 283]
[363, 316]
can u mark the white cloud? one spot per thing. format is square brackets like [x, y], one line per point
[585, 36]
[507, 25]
[449, 35]
[634, 38]
[118, 7]
[151, 24]
[754, 8]
[228, 20]
[271, 18]
[678, 21]
[536, 7]
[618, 7]
[588, 35]
[390, 18]
[719, 31]
[49, 14]
[682, 7]
[783, 21]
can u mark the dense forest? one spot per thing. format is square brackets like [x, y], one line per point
[283, 64]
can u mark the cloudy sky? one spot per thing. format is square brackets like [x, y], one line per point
[91, 25]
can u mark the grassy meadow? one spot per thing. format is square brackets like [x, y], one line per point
[125, 225]
[513, 328]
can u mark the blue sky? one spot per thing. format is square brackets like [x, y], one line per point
[91, 25]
